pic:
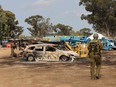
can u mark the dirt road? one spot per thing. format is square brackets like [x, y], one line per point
[15, 73]
[5, 52]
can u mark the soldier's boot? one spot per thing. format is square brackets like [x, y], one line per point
[93, 77]
[97, 77]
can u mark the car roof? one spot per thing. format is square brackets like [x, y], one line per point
[41, 45]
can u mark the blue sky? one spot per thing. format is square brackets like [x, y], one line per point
[67, 12]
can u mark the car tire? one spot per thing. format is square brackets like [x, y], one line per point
[64, 58]
[30, 58]
[71, 59]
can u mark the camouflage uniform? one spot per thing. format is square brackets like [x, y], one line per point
[13, 46]
[95, 60]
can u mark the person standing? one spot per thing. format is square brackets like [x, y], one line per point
[13, 47]
[94, 48]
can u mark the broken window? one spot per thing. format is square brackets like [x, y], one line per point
[39, 49]
[31, 48]
[50, 49]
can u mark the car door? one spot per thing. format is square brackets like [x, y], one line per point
[51, 54]
[38, 52]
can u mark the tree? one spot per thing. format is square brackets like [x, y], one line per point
[102, 15]
[63, 29]
[9, 25]
[17, 32]
[85, 31]
[81, 32]
[3, 20]
[13, 30]
[40, 26]
[34, 22]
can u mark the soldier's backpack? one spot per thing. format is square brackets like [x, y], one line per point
[94, 47]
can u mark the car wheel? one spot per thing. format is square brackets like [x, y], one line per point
[64, 58]
[71, 59]
[30, 58]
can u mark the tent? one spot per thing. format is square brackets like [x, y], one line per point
[100, 36]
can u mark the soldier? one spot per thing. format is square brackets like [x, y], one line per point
[13, 47]
[95, 47]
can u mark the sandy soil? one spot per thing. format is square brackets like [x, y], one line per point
[17, 73]
[5, 52]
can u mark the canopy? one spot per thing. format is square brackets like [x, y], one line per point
[100, 36]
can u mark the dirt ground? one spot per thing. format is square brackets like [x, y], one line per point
[17, 73]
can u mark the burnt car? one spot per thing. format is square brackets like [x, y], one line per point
[47, 52]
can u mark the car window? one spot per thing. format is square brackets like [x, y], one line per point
[31, 48]
[50, 48]
[39, 49]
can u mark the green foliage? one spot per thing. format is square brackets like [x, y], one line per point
[85, 31]
[17, 32]
[9, 25]
[63, 29]
[3, 20]
[102, 15]
[82, 32]
[40, 26]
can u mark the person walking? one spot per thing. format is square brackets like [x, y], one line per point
[94, 48]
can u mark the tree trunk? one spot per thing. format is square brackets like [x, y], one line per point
[107, 31]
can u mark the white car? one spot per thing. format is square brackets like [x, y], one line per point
[48, 52]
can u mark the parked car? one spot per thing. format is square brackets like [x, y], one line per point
[47, 52]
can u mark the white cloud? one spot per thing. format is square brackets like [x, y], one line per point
[42, 3]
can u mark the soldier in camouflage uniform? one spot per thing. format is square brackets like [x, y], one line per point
[95, 48]
[13, 47]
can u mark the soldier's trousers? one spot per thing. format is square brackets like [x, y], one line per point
[12, 52]
[95, 66]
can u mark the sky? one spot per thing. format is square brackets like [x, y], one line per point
[67, 12]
